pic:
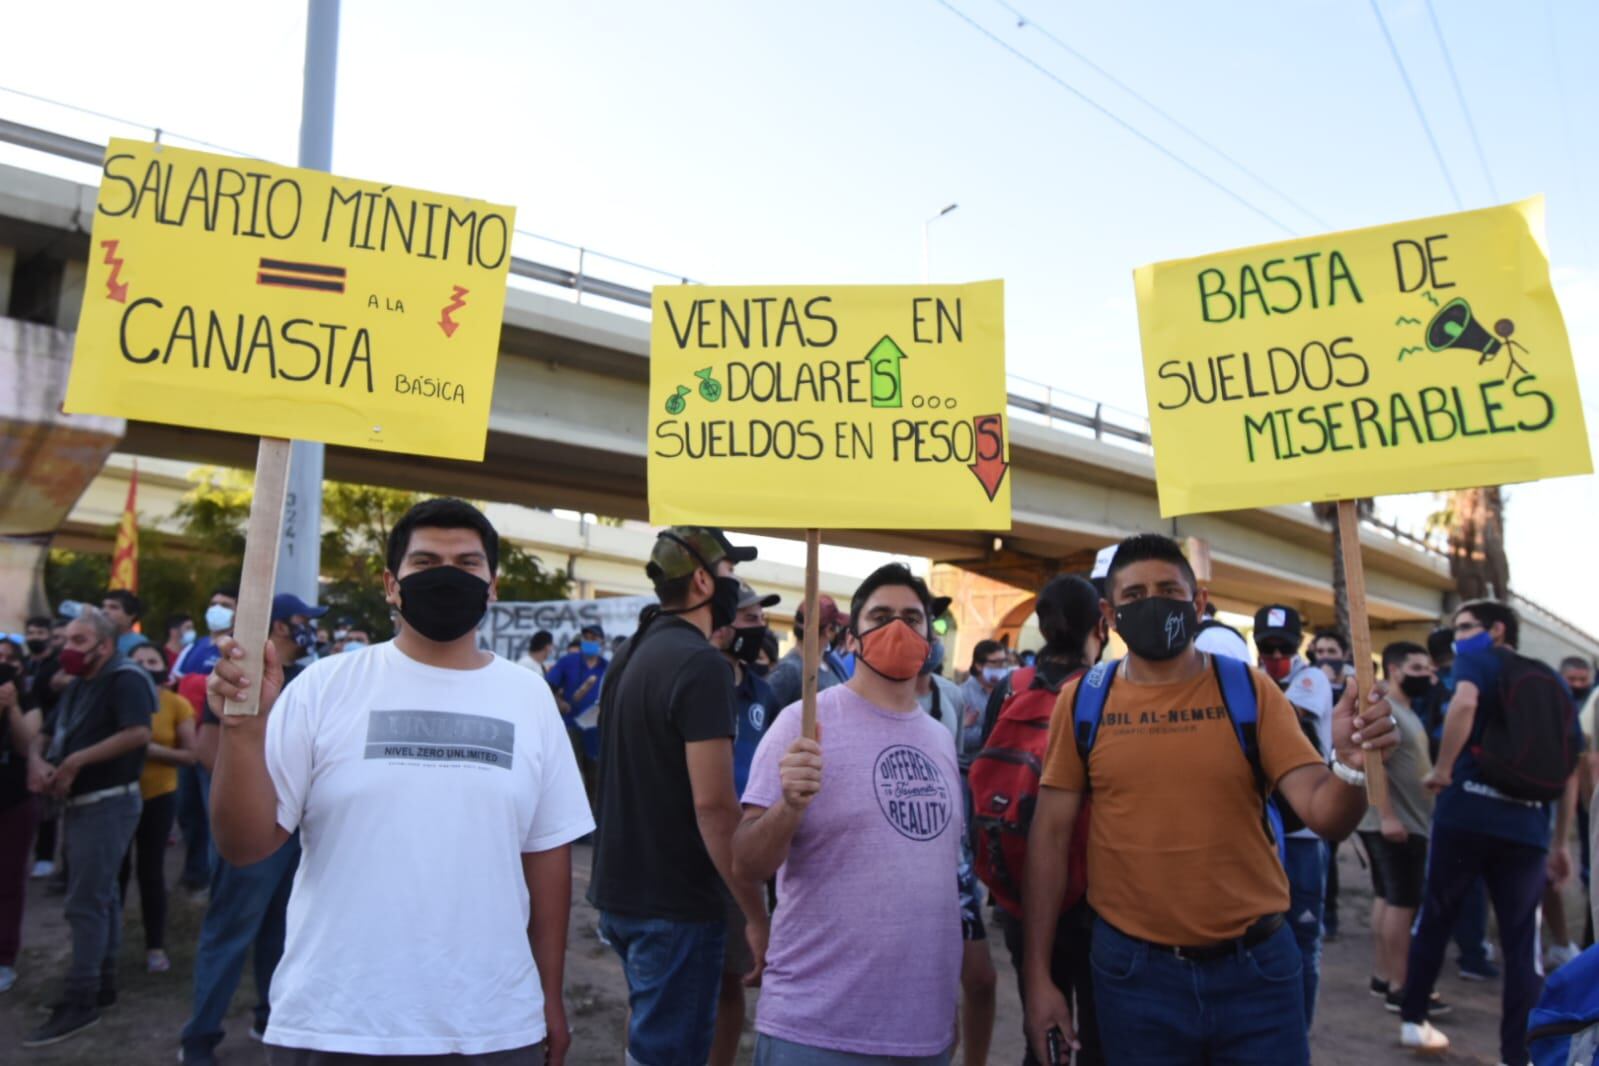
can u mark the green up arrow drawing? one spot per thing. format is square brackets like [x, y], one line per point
[883, 361]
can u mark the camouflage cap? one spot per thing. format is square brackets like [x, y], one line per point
[680, 550]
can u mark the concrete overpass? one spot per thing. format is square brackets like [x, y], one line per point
[568, 430]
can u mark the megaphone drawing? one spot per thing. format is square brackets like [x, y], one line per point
[1454, 327]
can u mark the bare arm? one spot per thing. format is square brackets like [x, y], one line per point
[710, 775]
[244, 802]
[1327, 806]
[205, 745]
[763, 838]
[119, 743]
[1049, 844]
[22, 726]
[549, 888]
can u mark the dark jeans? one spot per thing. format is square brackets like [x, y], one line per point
[674, 972]
[295, 1056]
[97, 837]
[195, 825]
[1329, 912]
[1307, 886]
[16, 855]
[1245, 1009]
[44, 845]
[1515, 875]
[1068, 970]
[148, 851]
[247, 909]
[1471, 928]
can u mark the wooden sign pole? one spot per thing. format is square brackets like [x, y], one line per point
[813, 543]
[254, 616]
[1360, 635]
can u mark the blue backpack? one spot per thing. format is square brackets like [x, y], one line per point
[1237, 694]
[1563, 1029]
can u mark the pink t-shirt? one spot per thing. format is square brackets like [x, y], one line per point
[865, 952]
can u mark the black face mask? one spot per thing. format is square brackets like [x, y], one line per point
[1414, 686]
[746, 643]
[760, 669]
[443, 603]
[1157, 627]
[36, 646]
[159, 677]
[1580, 693]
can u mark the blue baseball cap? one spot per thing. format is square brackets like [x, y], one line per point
[286, 605]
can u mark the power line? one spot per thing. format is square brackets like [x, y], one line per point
[1025, 22]
[1123, 123]
[1460, 95]
[1415, 100]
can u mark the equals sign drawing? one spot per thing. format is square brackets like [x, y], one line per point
[315, 276]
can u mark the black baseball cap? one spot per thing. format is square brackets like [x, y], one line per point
[748, 597]
[1276, 621]
[680, 550]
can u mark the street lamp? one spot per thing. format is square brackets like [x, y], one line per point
[925, 224]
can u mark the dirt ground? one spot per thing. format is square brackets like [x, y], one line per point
[1352, 1029]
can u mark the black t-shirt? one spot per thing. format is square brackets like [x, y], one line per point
[120, 697]
[671, 689]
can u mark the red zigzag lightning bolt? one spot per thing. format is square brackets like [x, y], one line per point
[457, 301]
[114, 289]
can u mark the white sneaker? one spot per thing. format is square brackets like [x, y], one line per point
[43, 868]
[1422, 1037]
[8, 977]
[1558, 955]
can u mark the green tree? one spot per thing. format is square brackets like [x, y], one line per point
[179, 573]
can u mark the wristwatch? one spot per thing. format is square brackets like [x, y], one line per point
[1348, 775]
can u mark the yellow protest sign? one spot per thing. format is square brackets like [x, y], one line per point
[1419, 356]
[831, 407]
[237, 295]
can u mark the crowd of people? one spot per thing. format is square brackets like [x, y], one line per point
[1152, 835]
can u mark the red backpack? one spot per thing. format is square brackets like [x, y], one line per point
[1004, 781]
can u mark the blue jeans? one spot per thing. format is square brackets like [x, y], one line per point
[97, 836]
[248, 907]
[1307, 887]
[674, 972]
[1515, 874]
[771, 1051]
[1246, 1009]
[195, 825]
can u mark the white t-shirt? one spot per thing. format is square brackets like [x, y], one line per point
[416, 791]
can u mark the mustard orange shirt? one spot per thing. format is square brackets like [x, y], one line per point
[159, 778]
[1177, 851]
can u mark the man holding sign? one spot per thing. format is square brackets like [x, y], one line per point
[438, 796]
[1192, 958]
[862, 828]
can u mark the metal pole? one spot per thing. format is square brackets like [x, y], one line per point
[300, 553]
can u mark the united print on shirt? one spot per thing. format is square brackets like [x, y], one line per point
[440, 737]
[912, 792]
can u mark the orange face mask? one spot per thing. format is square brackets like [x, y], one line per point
[894, 650]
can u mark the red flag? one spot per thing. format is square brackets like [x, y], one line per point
[125, 556]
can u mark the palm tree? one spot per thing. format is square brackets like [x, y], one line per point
[1475, 521]
[1327, 515]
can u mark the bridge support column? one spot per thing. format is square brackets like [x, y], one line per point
[47, 459]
